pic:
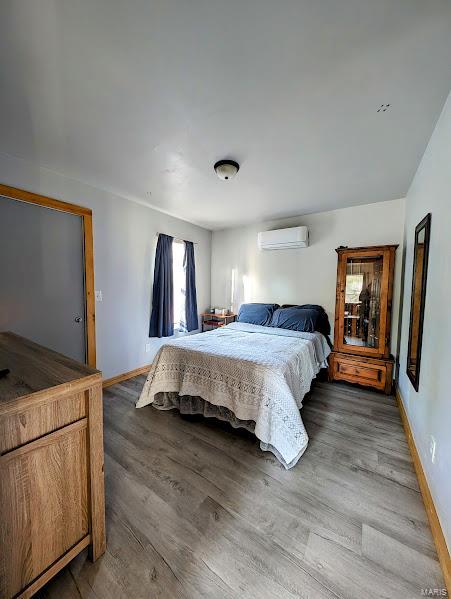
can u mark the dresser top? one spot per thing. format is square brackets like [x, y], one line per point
[34, 368]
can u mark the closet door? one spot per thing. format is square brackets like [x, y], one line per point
[42, 276]
[362, 302]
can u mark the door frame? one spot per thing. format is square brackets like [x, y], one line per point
[88, 254]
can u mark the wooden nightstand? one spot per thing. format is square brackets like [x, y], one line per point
[214, 321]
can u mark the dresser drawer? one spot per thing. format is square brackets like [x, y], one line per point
[20, 427]
[356, 371]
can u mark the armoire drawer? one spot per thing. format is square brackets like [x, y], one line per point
[357, 371]
[368, 372]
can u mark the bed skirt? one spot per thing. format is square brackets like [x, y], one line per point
[194, 405]
[189, 404]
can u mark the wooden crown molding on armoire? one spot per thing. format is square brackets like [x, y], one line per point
[361, 352]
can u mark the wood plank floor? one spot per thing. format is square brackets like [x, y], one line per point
[197, 510]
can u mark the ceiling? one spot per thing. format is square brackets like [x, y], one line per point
[142, 97]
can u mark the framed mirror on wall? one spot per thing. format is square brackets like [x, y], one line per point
[419, 280]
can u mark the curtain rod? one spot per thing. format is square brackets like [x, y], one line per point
[177, 238]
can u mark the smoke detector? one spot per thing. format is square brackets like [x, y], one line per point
[226, 169]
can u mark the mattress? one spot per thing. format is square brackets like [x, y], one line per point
[258, 374]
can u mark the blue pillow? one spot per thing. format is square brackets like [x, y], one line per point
[257, 313]
[296, 319]
[322, 324]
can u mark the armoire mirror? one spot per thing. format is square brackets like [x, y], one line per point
[419, 278]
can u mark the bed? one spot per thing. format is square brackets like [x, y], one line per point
[249, 375]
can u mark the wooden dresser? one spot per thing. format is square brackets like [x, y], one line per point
[52, 501]
[363, 306]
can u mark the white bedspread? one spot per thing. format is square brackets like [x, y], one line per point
[259, 373]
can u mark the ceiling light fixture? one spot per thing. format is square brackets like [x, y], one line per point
[226, 169]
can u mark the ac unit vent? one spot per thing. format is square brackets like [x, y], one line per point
[283, 239]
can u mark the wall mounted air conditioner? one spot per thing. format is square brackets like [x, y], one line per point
[283, 239]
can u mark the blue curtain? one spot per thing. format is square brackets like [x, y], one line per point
[162, 317]
[191, 317]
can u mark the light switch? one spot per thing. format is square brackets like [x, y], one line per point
[99, 296]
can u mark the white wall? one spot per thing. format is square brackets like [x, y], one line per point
[124, 252]
[306, 275]
[429, 410]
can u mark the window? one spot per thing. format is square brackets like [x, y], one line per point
[178, 255]
[174, 298]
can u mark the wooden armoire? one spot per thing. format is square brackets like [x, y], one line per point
[361, 352]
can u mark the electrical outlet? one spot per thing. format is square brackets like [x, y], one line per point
[99, 296]
[147, 347]
[432, 447]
